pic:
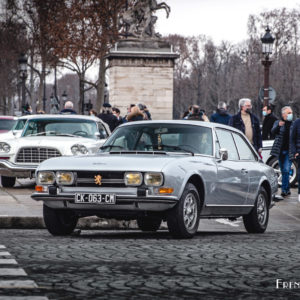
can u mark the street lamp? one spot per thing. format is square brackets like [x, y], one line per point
[23, 75]
[267, 46]
[64, 97]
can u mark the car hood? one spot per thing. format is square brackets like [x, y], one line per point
[111, 162]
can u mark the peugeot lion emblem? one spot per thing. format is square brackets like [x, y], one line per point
[98, 179]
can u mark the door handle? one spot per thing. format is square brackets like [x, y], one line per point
[244, 171]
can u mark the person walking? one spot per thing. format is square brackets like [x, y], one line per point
[221, 115]
[268, 122]
[247, 123]
[281, 147]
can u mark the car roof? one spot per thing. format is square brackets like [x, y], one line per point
[8, 118]
[60, 116]
[183, 122]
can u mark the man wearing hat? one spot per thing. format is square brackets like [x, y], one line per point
[107, 116]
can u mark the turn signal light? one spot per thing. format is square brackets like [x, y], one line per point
[166, 190]
[39, 188]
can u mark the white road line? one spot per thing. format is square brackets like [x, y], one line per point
[23, 298]
[5, 254]
[8, 262]
[20, 284]
[2, 247]
[12, 272]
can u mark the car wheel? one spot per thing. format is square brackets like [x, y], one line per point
[293, 174]
[257, 220]
[8, 182]
[183, 219]
[149, 223]
[59, 222]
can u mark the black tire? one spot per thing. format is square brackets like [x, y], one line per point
[8, 182]
[149, 223]
[59, 222]
[257, 220]
[273, 162]
[183, 219]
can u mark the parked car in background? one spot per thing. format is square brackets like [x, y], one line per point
[7, 123]
[46, 136]
[149, 171]
[272, 161]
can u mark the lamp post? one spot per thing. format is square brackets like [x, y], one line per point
[64, 97]
[267, 45]
[23, 75]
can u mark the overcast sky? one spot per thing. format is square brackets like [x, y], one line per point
[219, 19]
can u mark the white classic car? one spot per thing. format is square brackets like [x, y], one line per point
[47, 136]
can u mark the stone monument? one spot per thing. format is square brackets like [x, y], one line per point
[141, 64]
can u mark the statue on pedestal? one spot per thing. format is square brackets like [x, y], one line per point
[139, 20]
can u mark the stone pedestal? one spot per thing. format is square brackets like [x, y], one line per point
[142, 72]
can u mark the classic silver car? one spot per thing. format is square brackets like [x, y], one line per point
[178, 171]
[47, 136]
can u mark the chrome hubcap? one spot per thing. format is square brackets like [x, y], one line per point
[190, 212]
[261, 209]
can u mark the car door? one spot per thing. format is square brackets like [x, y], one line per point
[232, 176]
[248, 162]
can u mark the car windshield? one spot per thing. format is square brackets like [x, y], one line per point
[19, 125]
[7, 124]
[61, 127]
[161, 137]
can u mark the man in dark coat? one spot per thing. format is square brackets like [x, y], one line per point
[221, 116]
[248, 123]
[108, 117]
[281, 147]
[268, 122]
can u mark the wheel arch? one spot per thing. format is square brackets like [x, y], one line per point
[266, 185]
[270, 158]
[197, 181]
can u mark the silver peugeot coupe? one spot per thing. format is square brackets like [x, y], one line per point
[150, 171]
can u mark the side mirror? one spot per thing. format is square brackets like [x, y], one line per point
[223, 154]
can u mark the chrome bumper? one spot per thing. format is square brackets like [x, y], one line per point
[8, 168]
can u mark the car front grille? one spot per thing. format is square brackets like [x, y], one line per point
[108, 179]
[36, 154]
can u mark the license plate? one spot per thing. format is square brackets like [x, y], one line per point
[95, 198]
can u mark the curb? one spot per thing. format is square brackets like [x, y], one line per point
[83, 223]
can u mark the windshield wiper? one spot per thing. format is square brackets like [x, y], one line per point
[68, 134]
[41, 133]
[170, 146]
[111, 146]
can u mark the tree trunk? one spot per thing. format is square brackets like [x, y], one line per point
[81, 93]
[101, 85]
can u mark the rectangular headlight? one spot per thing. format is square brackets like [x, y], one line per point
[133, 178]
[45, 177]
[153, 179]
[64, 178]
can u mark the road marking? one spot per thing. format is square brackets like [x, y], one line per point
[7, 261]
[2, 247]
[4, 254]
[22, 298]
[12, 272]
[20, 284]
[227, 222]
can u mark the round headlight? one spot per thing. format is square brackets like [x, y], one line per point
[133, 178]
[153, 179]
[79, 149]
[45, 177]
[64, 178]
[4, 147]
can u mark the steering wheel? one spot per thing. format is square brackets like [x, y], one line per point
[80, 132]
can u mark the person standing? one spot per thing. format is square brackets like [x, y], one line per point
[268, 122]
[68, 109]
[221, 116]
[248, 123]
[195, 114]
[107, 116]
[281, 147]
